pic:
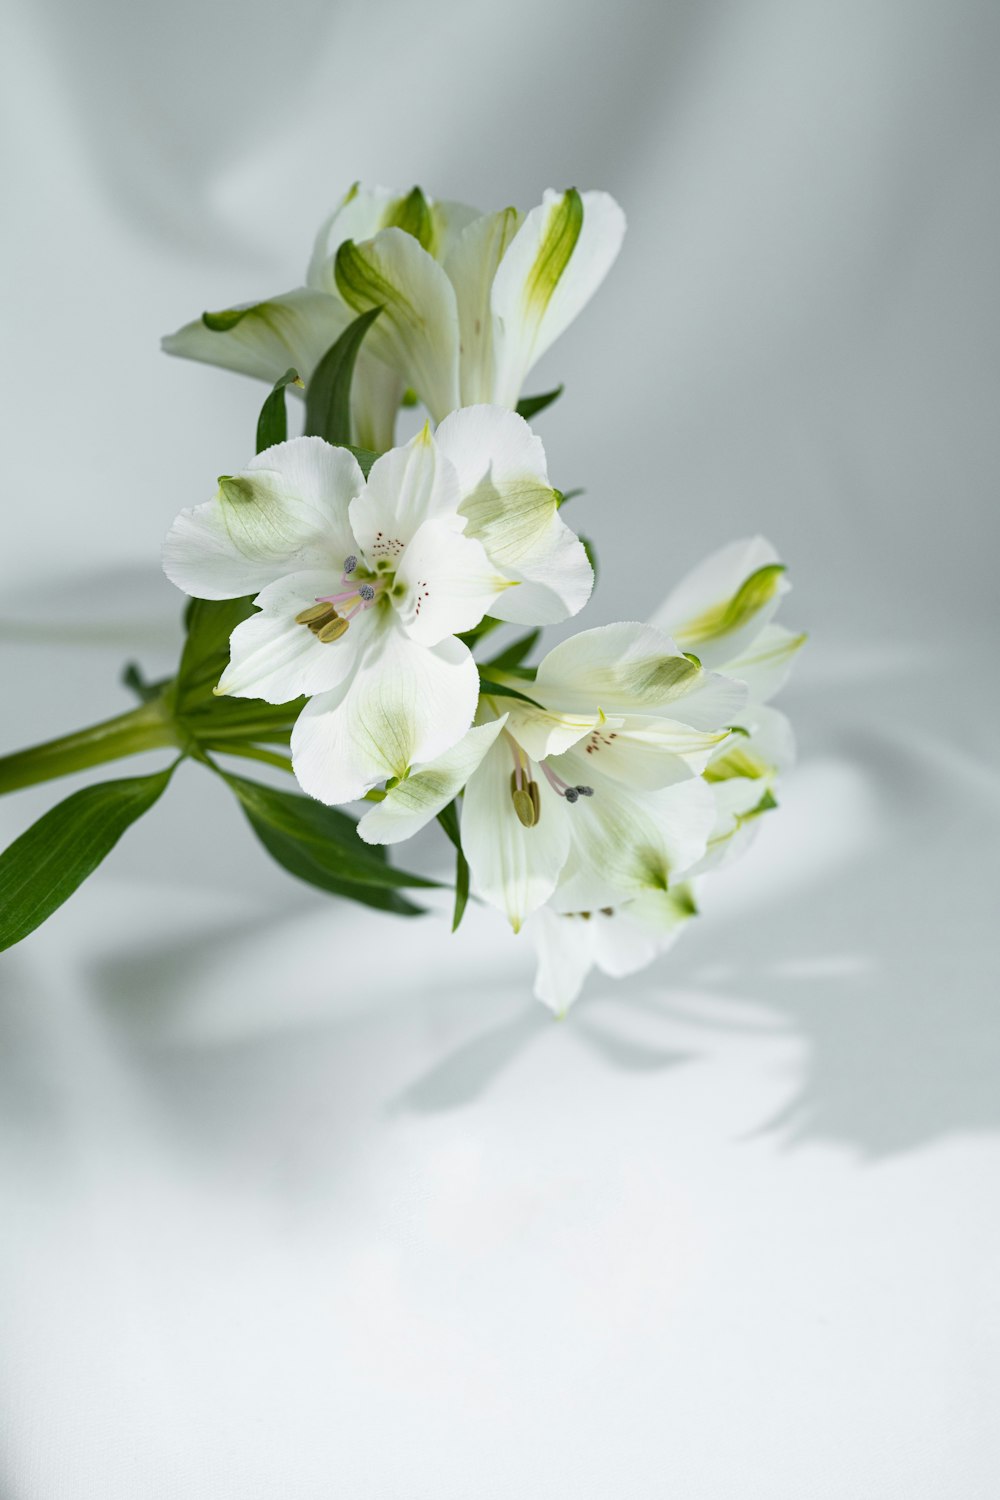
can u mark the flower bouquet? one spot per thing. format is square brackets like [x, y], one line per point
[365, 616]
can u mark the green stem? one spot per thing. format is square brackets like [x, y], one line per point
[148, 727]
[251, 752]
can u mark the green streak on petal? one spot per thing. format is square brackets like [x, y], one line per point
[682, 900]
[558, 244]
[362, 287]
[413, 214]
[751, 596]
[766, 804]
[737, 762]
[235, 491]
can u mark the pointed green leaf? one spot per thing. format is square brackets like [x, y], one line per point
[43, 867]
[146, 692]
[272, 424]
[328, 398]
[563, 497]
[448, 818]
[461, 889]
[364, 456]
[494, 689]
[320, 845]
[530, 406]
[515, 653]
[591, 552]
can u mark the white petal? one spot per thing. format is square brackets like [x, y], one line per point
[565, 957]
[626, 667]
[512, 509]
[768, 749]
[471, 267]
[266, 338]
[724, 603]
[714, 701]
[621, 946]
[448, 581]
[413, 802]
[552, 269]
[286, 512]
[275, 658]
[543, 732]
[647, 752]
[405, 703]
[496, 456]
[765, 664]
[417, 330]
[640, 930]
[555, 581]
[736, 822]
[405, 488]
[514, 868]
[361, 213]
[624, 842]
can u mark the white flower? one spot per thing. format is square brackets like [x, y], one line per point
[592, 794]
[618, 940]
[362, 588]
[295, 329]
[469, 302]
[471, 328]
[723, 612]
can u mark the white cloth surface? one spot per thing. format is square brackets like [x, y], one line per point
[300, 1202]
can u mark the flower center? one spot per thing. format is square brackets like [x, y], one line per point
[330, 617]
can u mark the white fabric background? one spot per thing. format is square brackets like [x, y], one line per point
[301, 1203]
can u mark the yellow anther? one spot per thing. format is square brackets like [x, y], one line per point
[333, 631]
[316, 614]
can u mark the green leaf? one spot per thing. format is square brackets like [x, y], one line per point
[563, 497]
[320, 845]
[272, 424]
[530, 406]
[515, 653]
[501, 690]
[461, 889]
[448, 818]
[136, 683]
[591, 552]
[486, 625]
[364, 456]
[210, 623]
[43, 867]
[328, 398]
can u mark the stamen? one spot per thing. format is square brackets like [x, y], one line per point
[515, 751]
[316, 614]
[526, 801]
[333, 631]
[562, 788]
[367, 592]
[350, 563]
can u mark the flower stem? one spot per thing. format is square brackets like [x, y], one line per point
[249, 752]
[147, 727]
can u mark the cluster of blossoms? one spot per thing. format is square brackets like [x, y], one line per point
[593, 789]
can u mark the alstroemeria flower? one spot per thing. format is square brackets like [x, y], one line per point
[594, 788]
[263, 339]
[363, 587]
[470, 328]
[618, 940]
[469, 301]
[723, 612]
